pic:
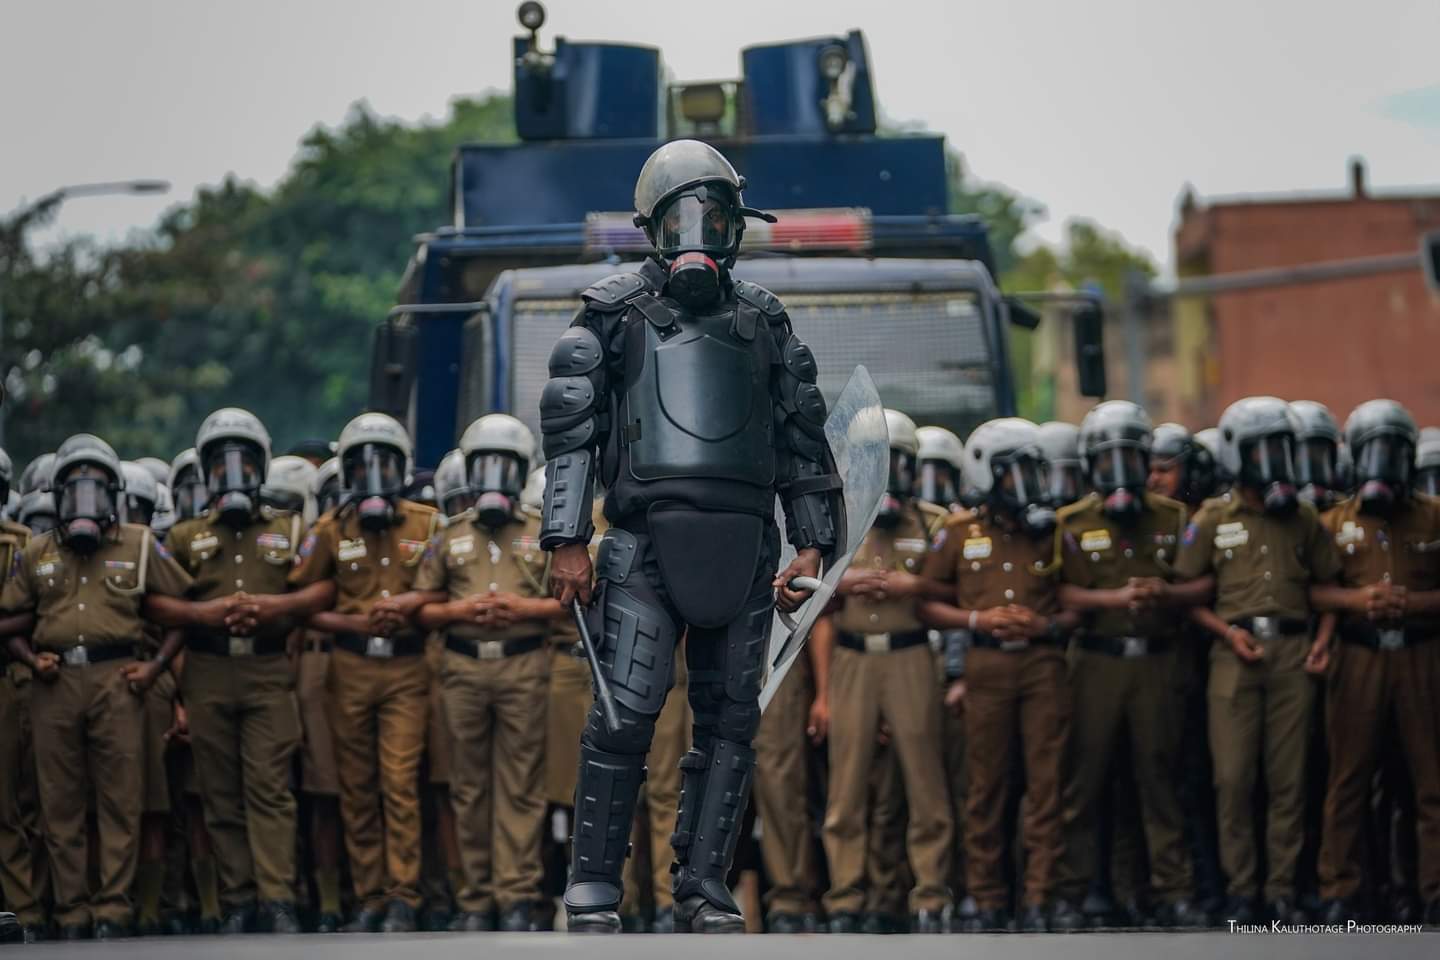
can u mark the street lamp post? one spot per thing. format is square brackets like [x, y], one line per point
[45, 207]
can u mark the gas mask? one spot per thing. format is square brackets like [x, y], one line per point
[939, 483]
[496, 479]
[1315, 472]
[1383, 472]
[234, 471]
[1266, 465]
[86, 508]
[1020, 492]
[135, 510]
[692, 231]
[1062, 483]
[694, 281]
[191, 495]
[374, 476]
[1120, 472]
[897, 488]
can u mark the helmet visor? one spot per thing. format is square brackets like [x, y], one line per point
[1269, 459]
[1019, 480]
[689, 223]
[902, 474]
[85, 495]
[1428, 481]
[233, 468]
[1385, 458]
[329, 497]
[1120, 467]
[135, 510]
[374, 470]
[1062, 482]
[191, 494]
[497, 473]
[939, 482]
[1315, 463]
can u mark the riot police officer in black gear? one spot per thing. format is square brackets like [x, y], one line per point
[684, 392]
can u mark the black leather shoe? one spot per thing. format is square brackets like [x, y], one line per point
[149, 928]
[111, 930]
[1286, 911]
[1099, 911]
[1033, 920]
[986, 921]
[75, 931]
[1066, 918]
[9, 927]
[876, 923]
[1238, 910]
[664, 921]
[698, 915]
[1405, 909]
[844, 923]
[928, 921]
[789, 923]
[436, 919]
[519, 919]
[600, 921]
[1432, 914]
[33, 933]
[399, 918]
[329, 923]
[237, 920]
[175, 923]
[209, 926]
[474, 921]
[366, 921]
[1182, 914]
[279, 917]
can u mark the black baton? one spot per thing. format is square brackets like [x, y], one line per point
[603, 696]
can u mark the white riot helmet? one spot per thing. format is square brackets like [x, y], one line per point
[452, 491]
[1115, 441]
[37, 511]
[158, 468]
[1257, 447]
[1064, 474]
[374, 462]
[498, 449]
[289, 485]
[326, 486]
[187, 486]
[142, 495]
[11, 509]
[234, 450]
[1317, 452]
[1004, 466]
[942, 457]
[87, 481]
[164, 518]
[36, 475]
[533, 496]
[904, 451]
[1383, 437]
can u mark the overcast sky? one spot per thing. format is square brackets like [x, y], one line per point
[1096, 108]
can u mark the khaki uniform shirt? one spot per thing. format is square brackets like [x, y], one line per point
[898, 548]
[992, 566]
[1403, 548]
[1097, 553]
[1263, 564]
[223, 560]
[367, 566]
[91, 599]
[467, 558]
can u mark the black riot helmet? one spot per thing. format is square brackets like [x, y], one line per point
[1115, 439]
[1382, 436]
[87, 482]
[1317, 448]
[1427, 462]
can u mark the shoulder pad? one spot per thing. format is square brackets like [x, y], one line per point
[613, 292]
[759, 298]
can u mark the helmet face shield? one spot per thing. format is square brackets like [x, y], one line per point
[85, 494]
[135, 510]
[496, 472]
[1019, 480]
[1268, 460]
[901, 482]
[1386, 458]
[374, 470]
[1428, 481]
[939, 482]
[191, 493]
[1062, 482]
[1315, 463]
[233, 467]
[1119, 467]
[701, 220]
[329, 497]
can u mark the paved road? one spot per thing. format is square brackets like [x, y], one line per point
[1178, 946]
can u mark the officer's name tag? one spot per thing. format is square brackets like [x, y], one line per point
[911, 544]
[201, 544]
[977, 548]
[47, 568]
[1350, 532]
[1231, 535]
[462, 547]
[1095, 540]
[119, 564]
[412, 546]
[352, 549]
[273, 541]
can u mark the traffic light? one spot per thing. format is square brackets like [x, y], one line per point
[1089, 324]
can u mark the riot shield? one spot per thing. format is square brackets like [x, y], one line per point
[860, 444]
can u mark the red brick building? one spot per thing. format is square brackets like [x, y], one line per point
[1340, 342]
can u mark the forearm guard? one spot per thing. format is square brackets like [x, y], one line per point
[809, 487]
[573, 425]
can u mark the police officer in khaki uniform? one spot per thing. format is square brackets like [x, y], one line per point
[239, 688]
[1260, 548]
[1387, 663]
[371, 548]
[1116, 548]
[998, 563]
[23, 870]
[787, 845]
[83, 586]
[490, 574]
[882, 671]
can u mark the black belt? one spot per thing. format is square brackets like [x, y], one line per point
[493, 649]
[988, 641]
[1375, 638]
[1125, 646]
[83, 656]
[321, 645]
[881, 642]
[382, 648]
[1271, 627]
[223, 645]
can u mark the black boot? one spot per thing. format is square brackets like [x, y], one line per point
[844, 923]
[367, 920]
[789, 923]
[1286, 911]
[1033, 920]
[1181, 914]
[1239, 911]
[279, 917]
[520, 918]
[929, 921]
[607, 790]
[1065, 917]
[714, 788]
[237, 920]
[399, 918]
